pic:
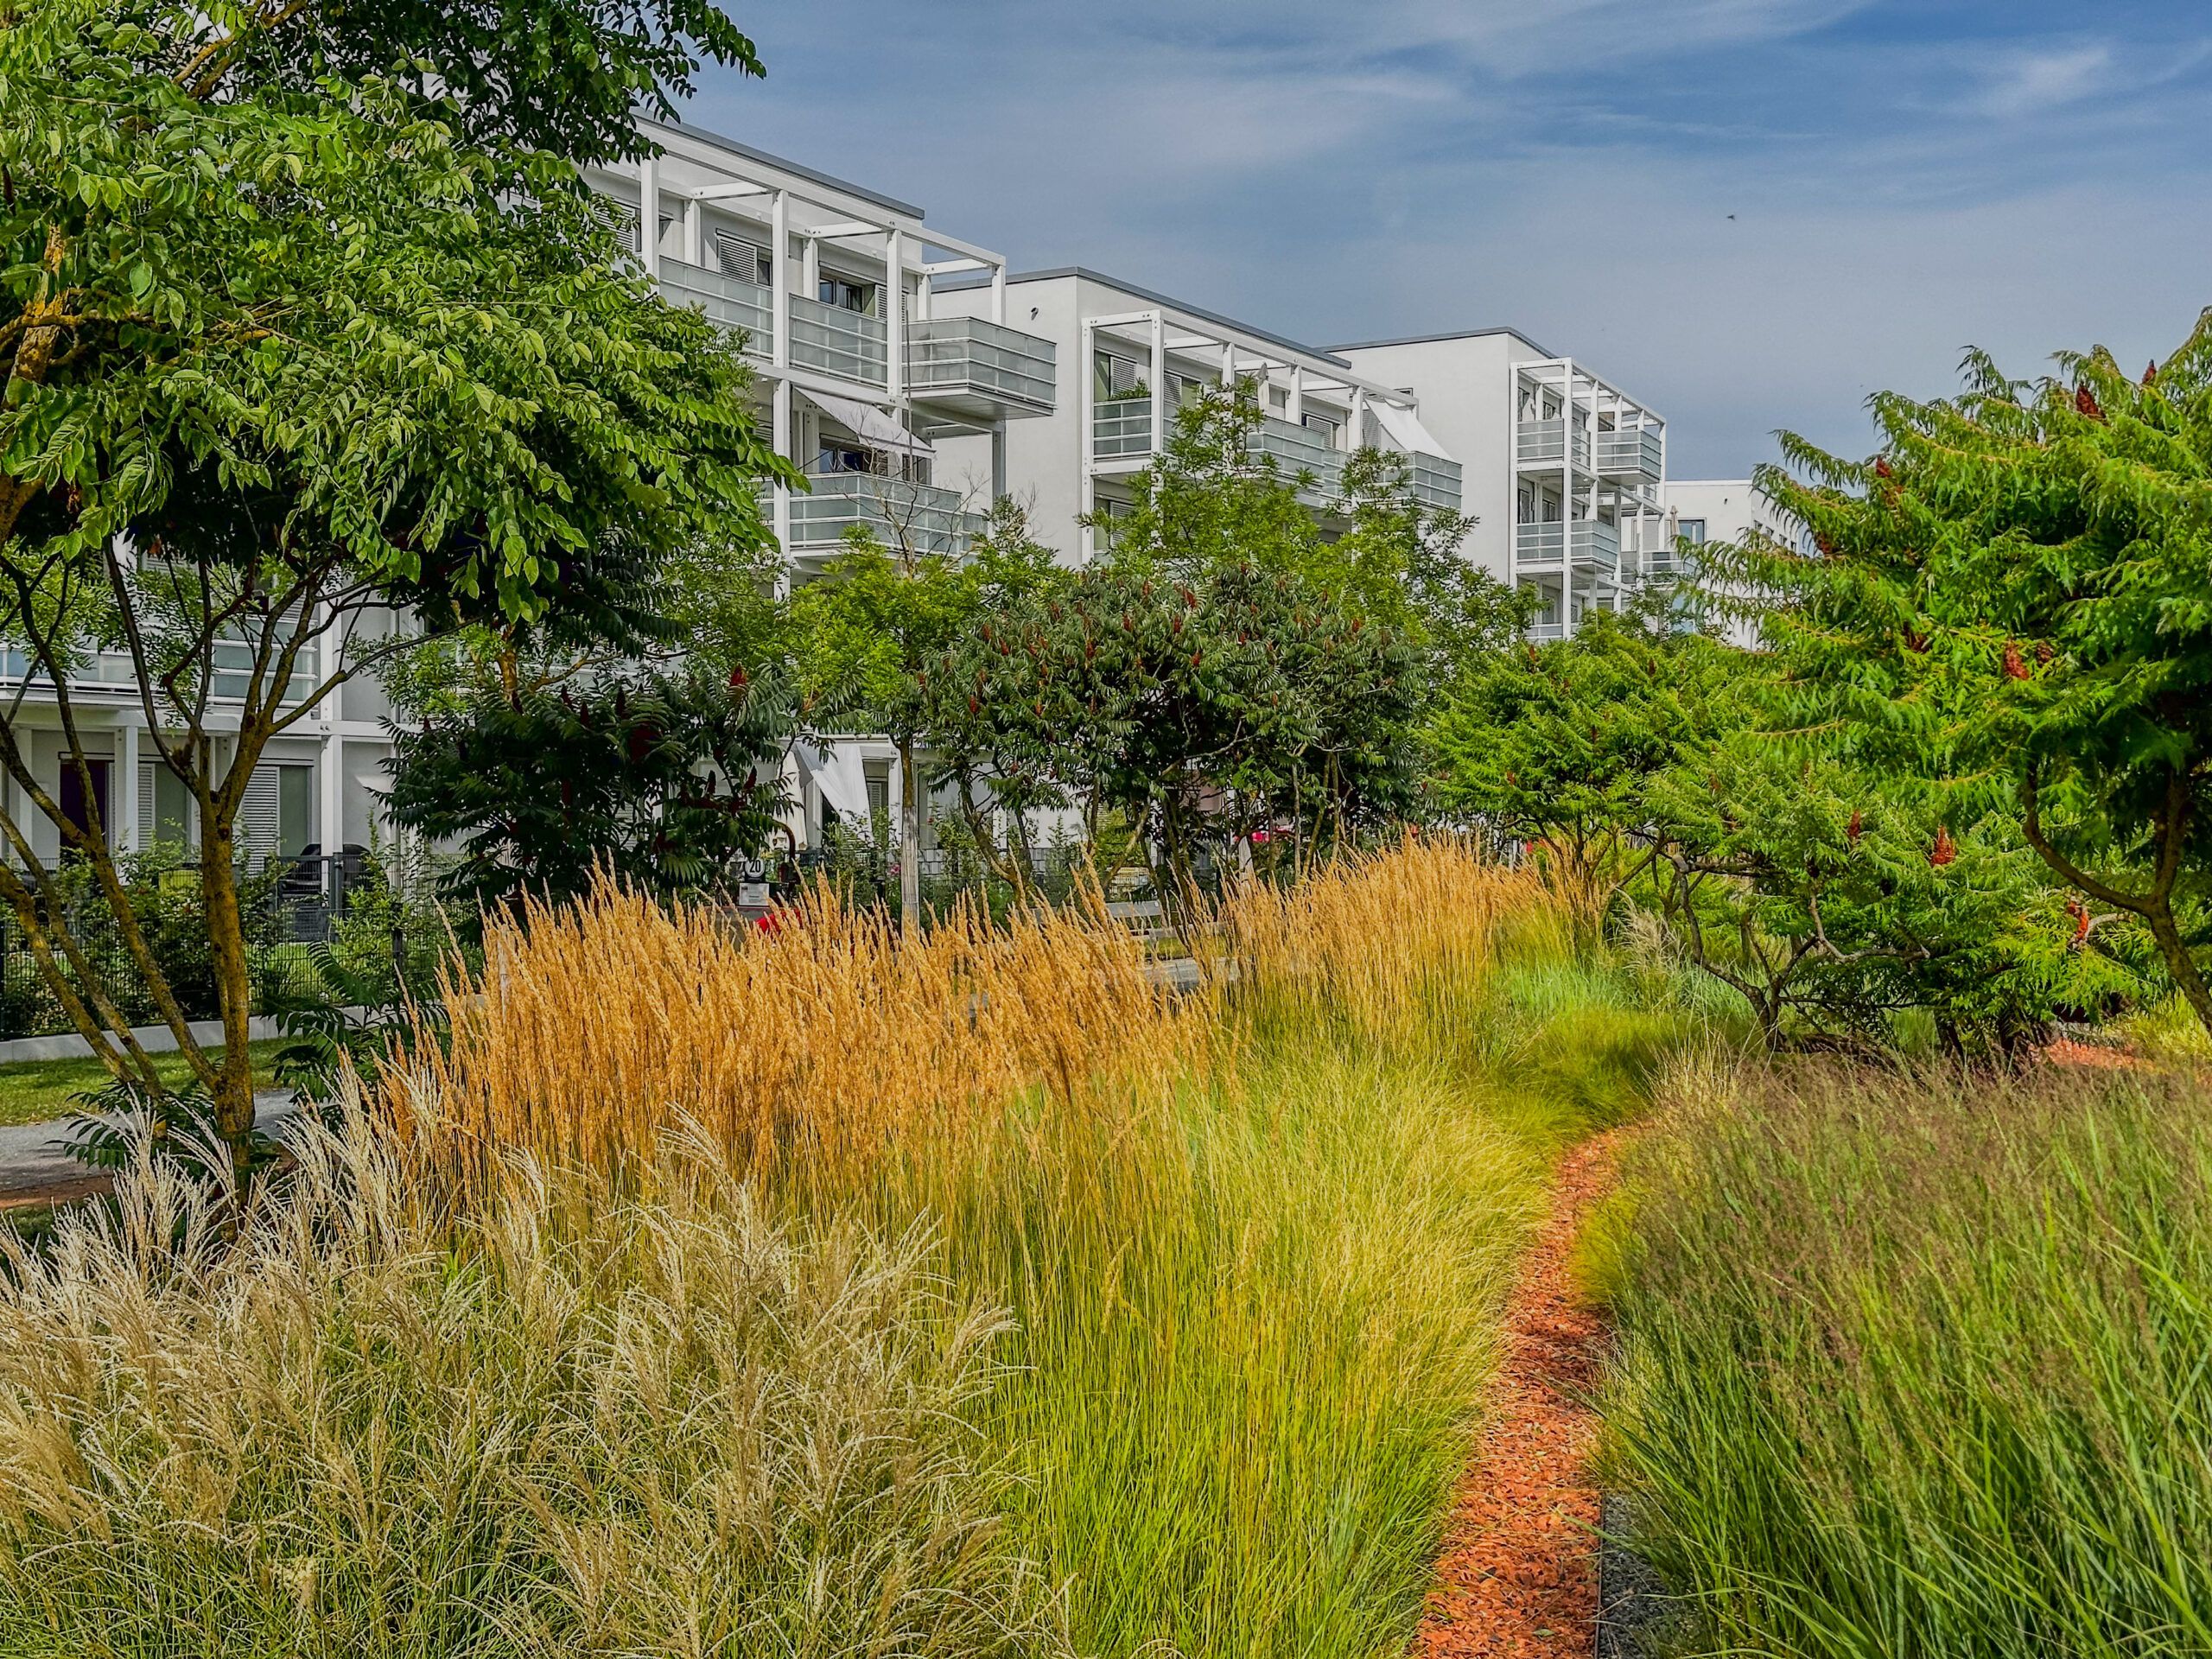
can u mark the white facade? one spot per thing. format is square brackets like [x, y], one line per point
[1723, 510]
[863, 376]
[860, 372]
[1563, 470]
[1129, 356]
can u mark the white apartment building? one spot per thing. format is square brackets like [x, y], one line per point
[1564, 471]
[864, 374]
[1699, 511]
[1135, 356]
[318, 790]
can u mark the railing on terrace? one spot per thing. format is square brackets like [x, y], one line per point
[968, 354]
[1122, 426]
[1586, 541]
[725, 299]
[1636, 453]
[1300, 449]
[1544, 632]
[923, 516]
[1434, 482]
[844, 343]
[1545, 444]
[114, 671]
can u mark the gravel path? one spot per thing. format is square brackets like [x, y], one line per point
[33, 1165]
[1519, 1572]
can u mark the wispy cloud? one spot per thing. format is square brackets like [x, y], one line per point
[1904, 178]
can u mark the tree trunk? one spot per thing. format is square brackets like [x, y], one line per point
[910, 843]
[233, 1089]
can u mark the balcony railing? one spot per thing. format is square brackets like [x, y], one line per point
[1434, 482]
[1633, 453]
[847, 344]
[1544, 443]
[1300, 449]
[115, 671]
[725, 299]
[1545, 633]
[922, 517]
[1584, 540]
[967, 357]
[1122, 426]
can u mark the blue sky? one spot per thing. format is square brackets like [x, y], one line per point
[1906, 179]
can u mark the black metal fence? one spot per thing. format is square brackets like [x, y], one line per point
[302, 907]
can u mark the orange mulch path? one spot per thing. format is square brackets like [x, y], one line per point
[1519, 1572]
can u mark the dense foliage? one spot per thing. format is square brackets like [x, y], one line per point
[2017, 592]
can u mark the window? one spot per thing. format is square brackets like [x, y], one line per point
[739, 256]
[295, 810]
[1326, 425]
[848, 293]
[1117, 378]
[836, 457]
[73, 803]
[1551, 509]
[164, 806]
[878, 774]
[1692, 531]
[1278, 398]
[1524, 507]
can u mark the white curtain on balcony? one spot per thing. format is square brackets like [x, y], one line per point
[870, 425]
[1405, 430]
[840, 778]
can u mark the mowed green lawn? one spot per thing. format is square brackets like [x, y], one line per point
[33, 1091]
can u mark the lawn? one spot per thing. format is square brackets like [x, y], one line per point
[32, 1091]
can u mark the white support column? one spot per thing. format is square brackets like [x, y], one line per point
[649, 215]
[1228, 364]
[125, 788]
[694, 231]
[894, 314]
[809, 266]
[1158, 382]
[1357, 436]
[998, 460]
[332, 829]
[998, 293]
[779, 276]
[1296, 412]
[1086, 375]
[779, 433]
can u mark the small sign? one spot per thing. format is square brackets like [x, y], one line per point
[753, 895]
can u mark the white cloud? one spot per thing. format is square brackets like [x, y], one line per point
[2028, 83]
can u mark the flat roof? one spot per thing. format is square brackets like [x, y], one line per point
[965, 280]
[797, 168]
[1431, 339]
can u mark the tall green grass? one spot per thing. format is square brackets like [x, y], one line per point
[1922, 1364]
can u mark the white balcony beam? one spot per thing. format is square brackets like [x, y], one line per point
[953, 267]
[845, 227]
[731, 192]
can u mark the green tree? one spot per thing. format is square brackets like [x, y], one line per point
[2015, 593]
[1557, 744]
[667, 778]
[308, 321]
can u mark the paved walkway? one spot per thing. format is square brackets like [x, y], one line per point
[32, 1162]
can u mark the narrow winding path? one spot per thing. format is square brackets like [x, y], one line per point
[1518, 1575]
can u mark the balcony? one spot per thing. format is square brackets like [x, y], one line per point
[1543, 634]
[725, 300]
[1636, 453]
[920, 516]
[115, 672]
[1122, 426]
[1545, 444]
[1590, 542]
[978, 369]
[848, 344]
[1433, 481]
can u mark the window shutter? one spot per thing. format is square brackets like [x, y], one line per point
[739, 256]
[146, 819]
[257, 814]
[626, 226]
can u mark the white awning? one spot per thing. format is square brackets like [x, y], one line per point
[838, 775]
[1405, 430]
[869, 424]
